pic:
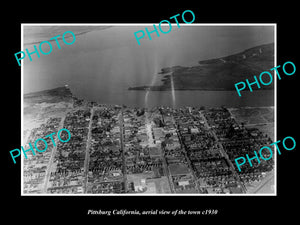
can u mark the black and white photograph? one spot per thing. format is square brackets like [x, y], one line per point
[162, 117]
[136, 113]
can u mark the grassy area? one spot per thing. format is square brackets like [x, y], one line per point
[261, 118]
[253, 115]
[218, 74]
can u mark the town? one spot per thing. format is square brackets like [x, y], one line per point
[122, 150]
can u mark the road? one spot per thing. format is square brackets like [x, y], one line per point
[183, 147]
[240, 183]
[121, 123]
[53, 153]
[165, 165]
[265, 185]
[258, 124]
[87, 152]
[167, 172]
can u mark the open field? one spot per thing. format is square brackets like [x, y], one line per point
[149, 185]
[40, 106]
[261, 118]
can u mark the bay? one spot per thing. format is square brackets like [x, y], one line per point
[102, 64]
[149, 99]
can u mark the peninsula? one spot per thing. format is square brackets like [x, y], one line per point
[218, 74]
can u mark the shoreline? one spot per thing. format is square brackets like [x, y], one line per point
[187, 89]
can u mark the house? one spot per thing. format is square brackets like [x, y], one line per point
[194, 130]
[183, 183]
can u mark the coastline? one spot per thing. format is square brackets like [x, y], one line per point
[161, 88]
[217, 73]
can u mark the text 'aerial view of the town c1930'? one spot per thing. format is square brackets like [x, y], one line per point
[159, 118]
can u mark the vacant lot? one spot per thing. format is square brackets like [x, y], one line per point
[249, 115]
[261, 118]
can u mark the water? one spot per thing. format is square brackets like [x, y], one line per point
[182, 98]
[102, 64]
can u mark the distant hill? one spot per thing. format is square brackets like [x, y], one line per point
[37, 34]
[38, 107]
[49, 96]
[218, 73]
[264, 53]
